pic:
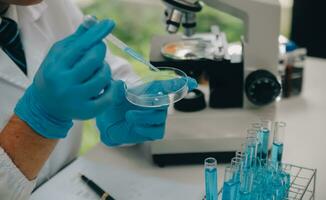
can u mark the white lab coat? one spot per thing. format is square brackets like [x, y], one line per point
[41, 25]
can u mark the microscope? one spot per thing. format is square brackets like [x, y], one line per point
[242, 87]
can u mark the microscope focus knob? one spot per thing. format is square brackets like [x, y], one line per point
[262, 87]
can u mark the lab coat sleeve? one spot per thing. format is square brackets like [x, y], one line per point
[13, 184]
[120, 68]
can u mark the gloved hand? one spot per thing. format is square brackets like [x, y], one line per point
[125, 123]
[73, 82]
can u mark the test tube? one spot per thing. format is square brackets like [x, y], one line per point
[256, 126]
[252, 132]
[268, 124]
[246, 182]
[251, 152]
[211, 179]
[239, 156]
[248, 167]
[263, 137]
[277, 149]
[236, 164]
[231, 185]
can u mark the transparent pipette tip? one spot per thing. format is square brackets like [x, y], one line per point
[90, 20]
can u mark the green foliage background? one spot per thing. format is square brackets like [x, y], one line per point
[137, 22]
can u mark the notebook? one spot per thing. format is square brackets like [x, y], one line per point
[121, 184]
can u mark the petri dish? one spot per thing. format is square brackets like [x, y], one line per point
[189, 49]
[157, 89]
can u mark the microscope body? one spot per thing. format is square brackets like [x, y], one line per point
[239, 93]
[261, 20]
[260, 43]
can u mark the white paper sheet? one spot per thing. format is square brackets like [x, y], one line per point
[121, 184]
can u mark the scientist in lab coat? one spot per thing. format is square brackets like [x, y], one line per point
[53, 72]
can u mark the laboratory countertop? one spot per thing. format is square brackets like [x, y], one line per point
[305, 139]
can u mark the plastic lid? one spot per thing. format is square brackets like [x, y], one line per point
[290, 46]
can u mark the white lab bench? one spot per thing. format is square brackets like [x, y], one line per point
[305, 145]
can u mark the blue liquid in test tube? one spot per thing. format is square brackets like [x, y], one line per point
[231, 183]
[230, 190]
[211, 179]
[277, 149]
[251, 152]
[277, 152]
[263, 137]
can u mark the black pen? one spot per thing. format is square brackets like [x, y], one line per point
[99, 191]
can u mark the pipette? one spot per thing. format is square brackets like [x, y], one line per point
[91, 20]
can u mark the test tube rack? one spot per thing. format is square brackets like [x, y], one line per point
[303, 183]
[287, 181]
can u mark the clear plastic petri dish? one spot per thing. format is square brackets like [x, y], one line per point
[158, 89]
[188, 49]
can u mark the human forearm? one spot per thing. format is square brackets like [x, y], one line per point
[27, 149]
[64, 88]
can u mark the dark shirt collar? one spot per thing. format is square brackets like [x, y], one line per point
[4, 11]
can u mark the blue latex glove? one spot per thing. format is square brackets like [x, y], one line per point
[73, 82]
[125, 123]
